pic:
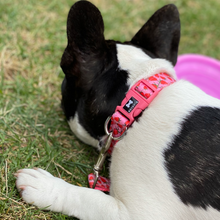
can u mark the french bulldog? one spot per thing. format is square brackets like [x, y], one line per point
[167, 165]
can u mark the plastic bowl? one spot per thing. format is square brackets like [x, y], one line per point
[200, 70]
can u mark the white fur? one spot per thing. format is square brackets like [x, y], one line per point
[143, 176]
[140, 65]
[81, 133]
[140, 186]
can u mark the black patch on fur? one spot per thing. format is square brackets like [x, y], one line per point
[93, 84]
[160, 35]
[95, 104]
[193, 159]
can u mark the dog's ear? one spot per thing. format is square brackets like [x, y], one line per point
[85, 50]
[161, 34]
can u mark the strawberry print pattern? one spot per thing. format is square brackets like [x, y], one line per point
[103, 183]
[158, 81]
[119, 122]
[117, 127]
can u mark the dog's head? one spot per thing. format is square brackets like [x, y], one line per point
[98, 72]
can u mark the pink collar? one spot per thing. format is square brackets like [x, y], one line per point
[137, 100]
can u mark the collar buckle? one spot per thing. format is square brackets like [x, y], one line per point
[135, 101]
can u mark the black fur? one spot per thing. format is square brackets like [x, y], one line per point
[161, 34]
[96, 103]
[89, 58]
[193, 159]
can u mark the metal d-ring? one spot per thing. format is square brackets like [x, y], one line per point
[107, 132]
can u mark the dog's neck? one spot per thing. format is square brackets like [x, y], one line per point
[137, 99]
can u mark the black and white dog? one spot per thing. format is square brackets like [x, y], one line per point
[167, 166]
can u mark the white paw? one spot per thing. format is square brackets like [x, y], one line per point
[40, 188]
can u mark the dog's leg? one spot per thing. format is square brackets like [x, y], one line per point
[40, 188]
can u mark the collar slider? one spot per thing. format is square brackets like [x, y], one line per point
[135, 101]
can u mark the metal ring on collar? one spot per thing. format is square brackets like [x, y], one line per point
[110, 133]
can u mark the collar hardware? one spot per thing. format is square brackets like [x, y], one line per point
[134, 103]
[118, 138]
[103, 153]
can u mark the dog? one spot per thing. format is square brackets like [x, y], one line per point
[167, 165]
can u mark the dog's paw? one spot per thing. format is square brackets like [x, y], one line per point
[40, 188]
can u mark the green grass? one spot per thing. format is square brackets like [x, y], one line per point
[33, 129]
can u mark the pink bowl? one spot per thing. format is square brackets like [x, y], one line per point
[200, 70]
